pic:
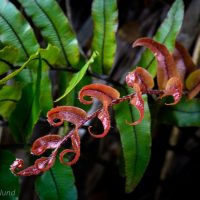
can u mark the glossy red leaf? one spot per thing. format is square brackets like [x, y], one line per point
[166, 65]
[173, 88]
[75, 139]
[141, 77]
[138, 102]
[106, 95]
[44, 143]
[40, 165]
[103, 93]
[141, 81]
[72, 114]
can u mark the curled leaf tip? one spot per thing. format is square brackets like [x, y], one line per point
[166, 65]
[141, 81]
[17, 164]
[40, 165]
[72, 114]
[105, 119]
[105, 94]
[43, 143]
[138, 102]
[173, 88]
[75, 138]
[141, 77]
[67, 151]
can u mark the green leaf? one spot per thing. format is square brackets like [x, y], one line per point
[77, 77]
[50, 54]
[104, 14]
[8, 55]
[16, 31]
[36, 94]
[166, 34]
[9, 184]
[57, 183]
[55, 28]
[26, 112]
[9, 95]
[46, 100]
[4, 67]
[185, 114]
[136, 142]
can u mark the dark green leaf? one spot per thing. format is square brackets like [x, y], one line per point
[26, 113]
[9, 184]
[186, 113]
[36, 94]
[9, 95]
[16, 31]
[55, 28]
[166, 34]
[104, 15]
[136, 142]
[46, 100]
[57, 184]
[77, 77]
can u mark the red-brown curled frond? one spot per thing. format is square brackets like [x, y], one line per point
[106, 95]
[104, 116]
[75, 139]
[40, 165]
[73, 161]
[141, 77]
[44, 143]
[183, 61]
[166, 65]
[173, 88]
[138, 102]
[17, 164]
[141, 81]
[193, 83]
[103, 93]
[45, 163]
[72, 114]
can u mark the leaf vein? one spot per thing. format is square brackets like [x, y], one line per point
[55, 29]
[16, 35]
[55, 182]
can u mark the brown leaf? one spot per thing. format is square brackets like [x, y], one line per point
[40, 165]
[72, 114]
[141, 81]
[44, 143]
[75, 139]
[173, 88]
[141, 77]
[166, 65]
[106, 95]
[138, 102]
